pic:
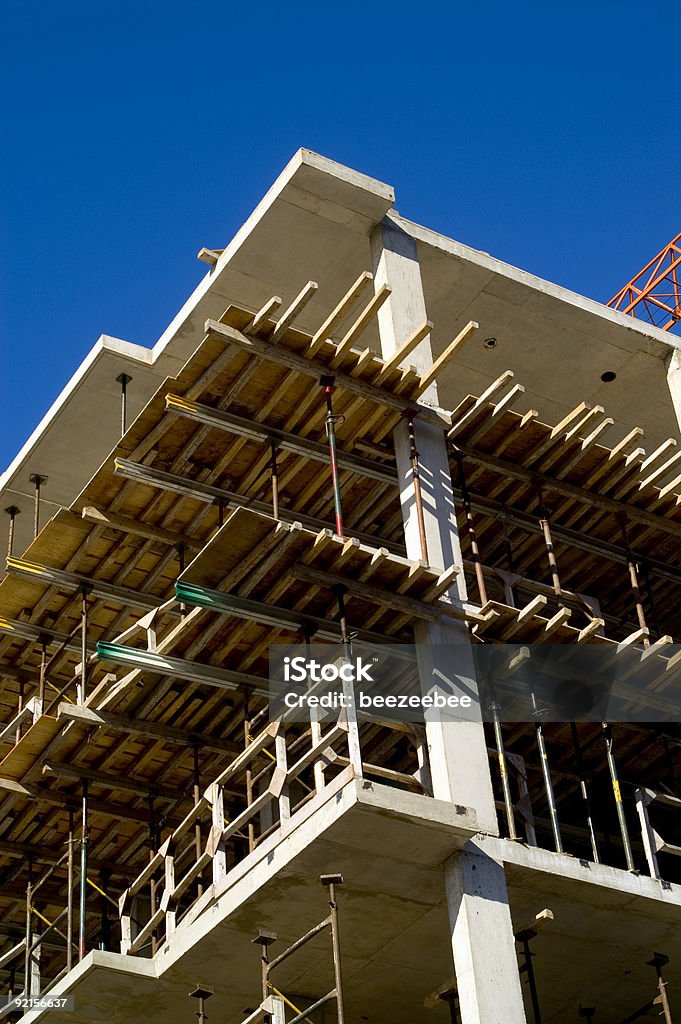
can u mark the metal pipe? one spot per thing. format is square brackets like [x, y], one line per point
[20, 708]
[83, 874]
[658, 962]
[335, 943]
[12, 511]
[550, 550]
[579, 761]
[331, 419]
[416, 477]
[38, 481]
[153, 846]
[531, 981]
[295, 946]
[197, 827]
[275, 479]
[503, 771]
[69, 897]
[82, 687]
[41, 684]
[472, 536]
[633, 578]
[548, 788]
[104, 934]
[124, 379]
[617, 793]
[249, 776]
[27, 955]
[180, 548]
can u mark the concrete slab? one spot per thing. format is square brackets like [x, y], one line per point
[313, 224]
[396, 950]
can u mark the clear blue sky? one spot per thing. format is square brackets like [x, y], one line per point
[134, 132]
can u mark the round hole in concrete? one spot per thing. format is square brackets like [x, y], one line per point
[608, 376]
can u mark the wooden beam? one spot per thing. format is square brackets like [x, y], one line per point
[139, 529]
[338, 315]
[568, 490]
[297, 306]
[123, 783]
[285, 441]
[262, 316]
[400, 354]
[61, 800]
[209, 494]
[375, 595]
[48, 576]
[209, 256]
[361, 323]
[314, 369]
[89, 717]
[431, 374]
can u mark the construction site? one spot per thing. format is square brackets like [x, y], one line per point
[355, 431]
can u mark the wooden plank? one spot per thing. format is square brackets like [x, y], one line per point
[361, 323]
[479, 404]
[315, 369]
[405, 349]
[90, 717]
[263, 315]
[375, 595]
[431, 374]
[339, 313]
[297, 306]
[22, 757]
[209, 256]
[568, 490]
[123, 783]
[138, 528]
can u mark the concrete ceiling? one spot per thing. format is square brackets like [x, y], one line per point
[314, 224]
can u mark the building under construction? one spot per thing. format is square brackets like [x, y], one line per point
[355, 430]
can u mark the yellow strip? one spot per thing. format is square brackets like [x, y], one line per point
[273, 758]
[6, 624]
[95, 887]
[616, 791]
[41, 916]
[181, 403]
[282, 996]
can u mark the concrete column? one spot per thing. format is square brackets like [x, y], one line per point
[458, 753]
[674, 382]
[482, 936]
[487, 978]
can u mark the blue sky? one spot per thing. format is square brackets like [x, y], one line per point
[548, 135]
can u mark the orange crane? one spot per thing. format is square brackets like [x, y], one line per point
[655, 293]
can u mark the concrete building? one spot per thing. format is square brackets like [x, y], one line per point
[507, 474]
